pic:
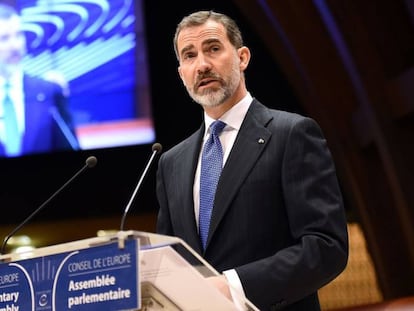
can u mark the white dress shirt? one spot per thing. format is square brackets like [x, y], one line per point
[233, 119]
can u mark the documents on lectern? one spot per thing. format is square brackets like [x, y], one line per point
[130, 270]
[167, 276]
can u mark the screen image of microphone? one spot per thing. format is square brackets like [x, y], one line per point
[156, 148]
[89, 163]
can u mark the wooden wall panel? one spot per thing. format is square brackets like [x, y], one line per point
[349, 62]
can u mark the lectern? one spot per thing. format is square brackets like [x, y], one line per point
[129, 270]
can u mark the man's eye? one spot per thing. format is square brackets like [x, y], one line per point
[188, 56]
[214, 48]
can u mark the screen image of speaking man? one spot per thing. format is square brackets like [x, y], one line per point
[33, 111]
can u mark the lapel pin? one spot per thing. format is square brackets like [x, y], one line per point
[261, 141]
[40, 97]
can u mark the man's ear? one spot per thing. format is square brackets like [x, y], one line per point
[244, 55]
[179, 73]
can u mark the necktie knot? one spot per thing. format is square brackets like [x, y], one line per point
[217, 127]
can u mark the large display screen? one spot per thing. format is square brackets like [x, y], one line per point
[94, 53]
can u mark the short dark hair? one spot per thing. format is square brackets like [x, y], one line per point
[7, 11]
[201, 17]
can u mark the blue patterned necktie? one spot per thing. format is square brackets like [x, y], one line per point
[211, 165]
[12, 139]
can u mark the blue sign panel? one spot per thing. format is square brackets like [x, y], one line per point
[97, 278]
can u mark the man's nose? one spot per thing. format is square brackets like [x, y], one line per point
[203, 64]
[17, 42]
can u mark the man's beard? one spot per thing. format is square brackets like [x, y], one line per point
[8, 69]
[212, 97]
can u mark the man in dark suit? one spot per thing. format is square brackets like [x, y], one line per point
[278, 229]
[42, 120]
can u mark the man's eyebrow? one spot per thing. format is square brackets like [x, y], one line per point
[186, 48]
[211, 40]
[205, 42]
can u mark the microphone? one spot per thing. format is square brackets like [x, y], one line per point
[156, 148]
[89, 163]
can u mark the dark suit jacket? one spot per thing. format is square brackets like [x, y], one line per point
[45, 107]
[278, 217]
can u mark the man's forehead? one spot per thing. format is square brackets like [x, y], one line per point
[198, 34]
[10, 24]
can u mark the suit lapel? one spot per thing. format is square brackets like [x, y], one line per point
[184, 172]
[36, 114]
[250, 143]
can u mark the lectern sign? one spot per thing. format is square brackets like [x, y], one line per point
[101, 277]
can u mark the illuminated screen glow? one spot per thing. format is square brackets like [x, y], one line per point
[98, 49]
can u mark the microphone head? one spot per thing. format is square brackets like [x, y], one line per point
[157, 147]
[91, 161]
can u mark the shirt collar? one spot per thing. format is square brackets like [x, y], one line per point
[15, 80]
[234, 116]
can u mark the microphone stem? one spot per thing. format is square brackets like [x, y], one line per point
[136, 189]
[38, 209]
